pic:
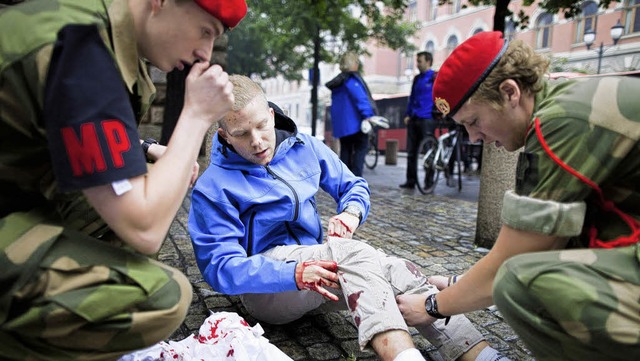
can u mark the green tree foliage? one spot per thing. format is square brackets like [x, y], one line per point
[280, 37]
[570, 9]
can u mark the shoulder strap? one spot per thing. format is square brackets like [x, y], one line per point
[604, 204]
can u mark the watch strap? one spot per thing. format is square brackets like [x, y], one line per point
[354, 211]
[147, 143]
[431, 306]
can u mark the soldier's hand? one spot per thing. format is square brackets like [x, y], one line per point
[314, 275]
[342, 225]
[208, 93]
[412, 309]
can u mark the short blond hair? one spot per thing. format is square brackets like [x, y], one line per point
[245, 91]
[349, 61]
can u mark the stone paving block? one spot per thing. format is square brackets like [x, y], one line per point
[352, 349]
[343, 332]
[307, 336]
[483, 318]
[216, 302]
[293, 350]
[275, 335]
[324, 352]
[505, 332]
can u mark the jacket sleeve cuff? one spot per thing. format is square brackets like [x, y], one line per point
[543, 216]
[288, 277]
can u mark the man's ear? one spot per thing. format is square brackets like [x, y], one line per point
[510, 92]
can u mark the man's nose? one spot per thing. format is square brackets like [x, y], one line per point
[473, 135]
[204, 52]
[256, 140]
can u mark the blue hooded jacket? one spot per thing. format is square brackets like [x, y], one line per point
[240, 209]
[350, 103]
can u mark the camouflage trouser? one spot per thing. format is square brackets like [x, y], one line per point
[574, 304]
[68, 296]
[370, 280]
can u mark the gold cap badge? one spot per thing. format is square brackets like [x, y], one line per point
[443, 106]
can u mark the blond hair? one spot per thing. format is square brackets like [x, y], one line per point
[349, 61]
[245, 91]
[520, 63]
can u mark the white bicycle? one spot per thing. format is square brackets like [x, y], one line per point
[370, 126]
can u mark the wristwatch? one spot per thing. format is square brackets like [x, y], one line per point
[354, 211]
[431, 306]
[147, 143]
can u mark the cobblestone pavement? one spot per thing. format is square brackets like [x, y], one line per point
[436, 232]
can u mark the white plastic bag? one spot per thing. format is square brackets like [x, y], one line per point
[222, 336]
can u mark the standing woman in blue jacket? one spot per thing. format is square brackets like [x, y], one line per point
[351, 103]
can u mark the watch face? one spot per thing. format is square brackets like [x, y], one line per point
[429, 305]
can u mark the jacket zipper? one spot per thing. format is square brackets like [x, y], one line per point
[295, 195]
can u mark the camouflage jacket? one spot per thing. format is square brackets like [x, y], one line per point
[593, 125]
[28, 33]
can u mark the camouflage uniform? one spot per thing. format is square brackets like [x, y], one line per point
[69, 290]
[578, 304]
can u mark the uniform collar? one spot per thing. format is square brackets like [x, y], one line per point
[124, 45]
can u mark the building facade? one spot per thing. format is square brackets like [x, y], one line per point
[442, 27]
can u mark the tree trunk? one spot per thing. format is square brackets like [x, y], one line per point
[496, 177]
[315, 77]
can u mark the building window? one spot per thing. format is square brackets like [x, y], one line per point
[452, 42]
[632, 23]
[409, 63]
[543, 30]
[430, 46]
[457, 4]
[412, 11]
[588, 20]
[509, 29]
[432, 10]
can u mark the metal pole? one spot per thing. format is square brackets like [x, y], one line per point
[600, 52]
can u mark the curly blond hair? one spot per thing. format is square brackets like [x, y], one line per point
[520, 63]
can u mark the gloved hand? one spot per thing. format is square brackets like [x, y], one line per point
[342, 225]
[313, 275]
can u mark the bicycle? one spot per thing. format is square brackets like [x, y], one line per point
[438, 157]
[374, 123]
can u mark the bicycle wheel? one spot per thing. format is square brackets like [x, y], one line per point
[449, 158]
[371, 159]
[427, 172]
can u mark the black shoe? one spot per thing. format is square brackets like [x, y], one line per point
[408, 185]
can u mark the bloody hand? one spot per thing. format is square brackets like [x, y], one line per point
[313, 275]
[342, 225]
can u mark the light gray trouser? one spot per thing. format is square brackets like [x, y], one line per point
[370, 280]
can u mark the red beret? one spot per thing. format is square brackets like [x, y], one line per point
[468, 65]
[228, 12]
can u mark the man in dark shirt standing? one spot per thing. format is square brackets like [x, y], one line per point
[418, 118]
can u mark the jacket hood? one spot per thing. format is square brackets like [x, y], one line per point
[339, 79]
[223, 154]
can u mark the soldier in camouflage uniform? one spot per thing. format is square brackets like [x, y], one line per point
[79, 208]
[577, 186]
